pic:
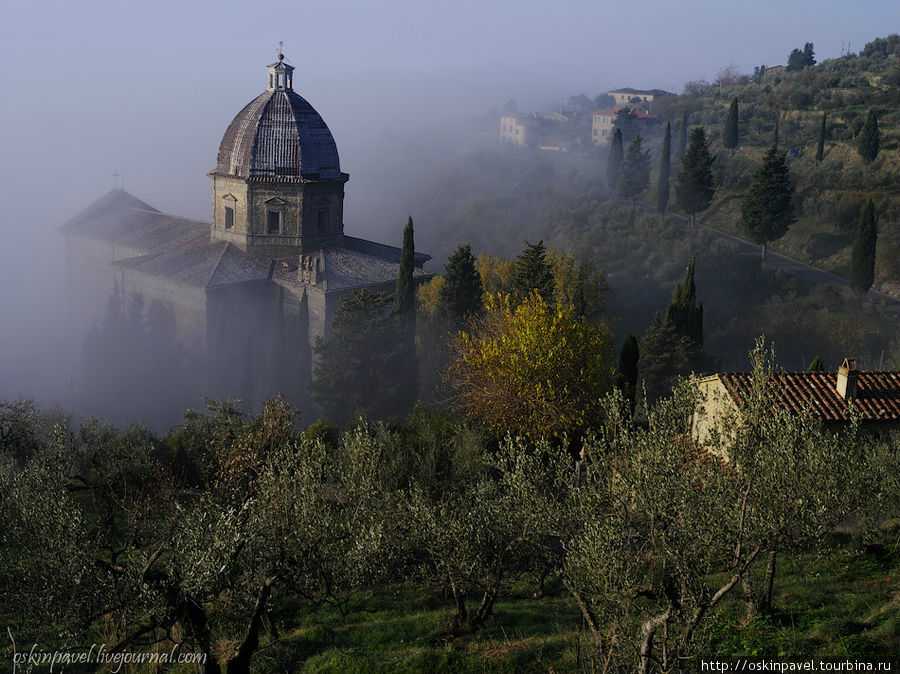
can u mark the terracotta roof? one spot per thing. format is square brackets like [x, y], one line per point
[208, 266]
[877, 393]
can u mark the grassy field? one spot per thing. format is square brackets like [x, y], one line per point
[845, 602]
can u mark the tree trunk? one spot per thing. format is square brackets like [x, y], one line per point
[589, 618]
[648, 631]
[765, 599]
[461, 613]
[240, 663]
[194, 618]
[485, 609]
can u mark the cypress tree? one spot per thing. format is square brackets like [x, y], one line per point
[534, 272]
[634, 175]
[820, 148]
[461, 293]
[627, 374]
[775, 135]
[694, 187]
[862, 272]
[869, 138]
[730, 131]
[767, 211]
[682, 136]
[665, 161]
[405, 291]
[614, 162]
[683, 314]
[816, 365]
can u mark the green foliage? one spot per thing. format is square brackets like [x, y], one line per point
[460, 295]
[682, 136]
[614, 160]
[534, 272]
[363, 365]
[767, 210]
[634, 174]
[817, 365]
[683, 313]
[694, 187]
[730, 129]
[665, 162]
[405, 292]
[862, 271]
[800, 59]
[627, 372]
[820, 145]
[869, 138]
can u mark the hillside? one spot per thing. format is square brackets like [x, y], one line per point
[830, 192]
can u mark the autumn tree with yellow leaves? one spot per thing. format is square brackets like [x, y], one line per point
[532, 368]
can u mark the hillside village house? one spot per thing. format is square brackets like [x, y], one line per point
[828, 396]
[629, 96]
[604, 122]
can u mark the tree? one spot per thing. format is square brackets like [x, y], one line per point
[626, 122]
[405, 310]
[800, 59]
[869, 138]
[862, 272]
[665, 162]
[532, 369]
[627, 372]
[820, 147]
[634, 175]
[694, 186]
[816, 365]
[682, 136]
[460, 294]
[730, 130]
[533, 271]
[578, 284]
[361, 366]
[683, 313]
[775, 134]
[767, 210]
[405, 291]
[614, 161]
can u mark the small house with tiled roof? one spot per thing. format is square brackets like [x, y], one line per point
[274, 252]
[831, 397]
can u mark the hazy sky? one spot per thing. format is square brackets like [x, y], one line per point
[147, 88]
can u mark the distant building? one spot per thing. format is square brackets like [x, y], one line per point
[560, 131]
[517, 129]
[772, 72]
[875, 397]
[629, 96]
[604, 122]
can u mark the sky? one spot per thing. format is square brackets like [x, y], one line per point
[93, 87]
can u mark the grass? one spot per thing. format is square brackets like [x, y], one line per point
[843, 602]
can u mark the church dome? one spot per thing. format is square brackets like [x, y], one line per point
[279, 136]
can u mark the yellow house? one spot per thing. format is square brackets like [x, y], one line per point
[629, 96]
[604, 121]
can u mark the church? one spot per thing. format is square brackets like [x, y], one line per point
[246, 294]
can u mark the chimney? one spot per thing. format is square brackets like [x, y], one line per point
[846, 379]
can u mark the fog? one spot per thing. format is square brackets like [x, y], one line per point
[147, 90]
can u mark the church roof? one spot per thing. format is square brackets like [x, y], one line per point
[143, 231]
[205, 266]
[279, 135]
[343, 268]
[113, 201]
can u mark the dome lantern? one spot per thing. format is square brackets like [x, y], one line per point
[281, 75]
